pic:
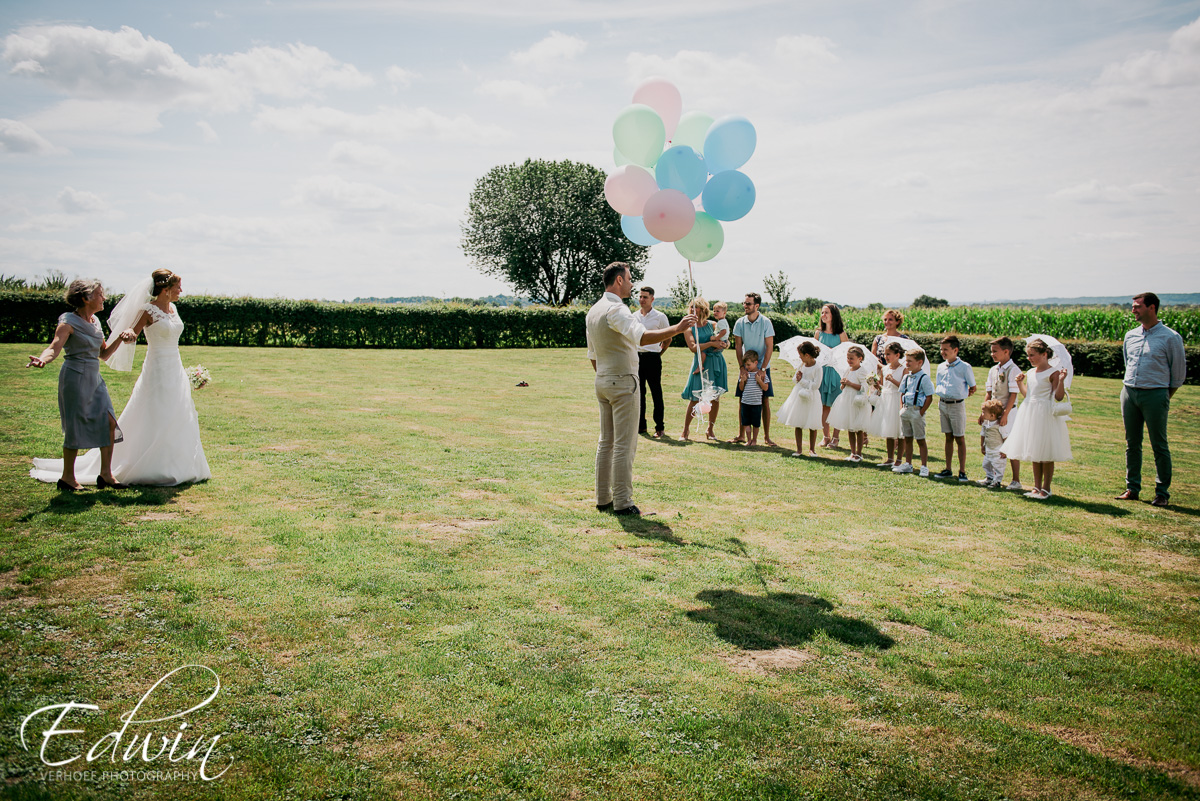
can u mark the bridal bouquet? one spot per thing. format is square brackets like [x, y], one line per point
[199, 376]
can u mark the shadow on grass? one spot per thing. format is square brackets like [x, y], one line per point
[777, 620]
[76, 502]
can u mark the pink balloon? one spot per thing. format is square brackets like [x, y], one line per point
[628, 188]
[669, 215]
[662, 96]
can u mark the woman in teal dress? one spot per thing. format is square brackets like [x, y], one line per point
[708, 350]
[831, 334]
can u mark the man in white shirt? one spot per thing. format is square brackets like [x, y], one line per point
[650, 360]
[613, 336]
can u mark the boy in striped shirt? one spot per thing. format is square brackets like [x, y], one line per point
[752, 384]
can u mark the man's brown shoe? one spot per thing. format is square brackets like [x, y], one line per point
[1159, 500]
[1127, 495]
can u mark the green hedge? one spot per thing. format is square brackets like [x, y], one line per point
[255, 322]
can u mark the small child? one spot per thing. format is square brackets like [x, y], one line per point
[1002, 386]
[1039, 435]
[916, 394]
[802, 409]
[720, 328]
[752, 385]
[851, 410]
[955, 383]
[885, 420]
[990, 442]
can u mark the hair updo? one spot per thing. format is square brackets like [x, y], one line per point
[1038, 346]
[163, 279]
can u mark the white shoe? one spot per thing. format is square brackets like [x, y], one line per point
[812, 454]
[985, 482]
[857, 458]
[1016, 485]
[1036, 494]
[903, 468]
[924, 472]
[849, 458]
[797, 453]
[886, 464]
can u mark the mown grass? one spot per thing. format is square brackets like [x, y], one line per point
[399, 576]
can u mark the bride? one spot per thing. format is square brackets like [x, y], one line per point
[161, 428]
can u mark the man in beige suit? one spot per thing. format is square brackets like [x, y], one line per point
[613, 334]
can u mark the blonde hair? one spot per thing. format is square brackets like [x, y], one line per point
[919, 355]
[720, 304]
[857, 351]
[701, 306]
[993, 406]
[897, 314]
[80, 291]
[163, 279]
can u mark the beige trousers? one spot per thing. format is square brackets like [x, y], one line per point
[620, 408]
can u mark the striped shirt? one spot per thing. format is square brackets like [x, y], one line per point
[752, 394]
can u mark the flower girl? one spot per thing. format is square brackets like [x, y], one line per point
[1040, 433]
[885, 419]
[852, 410]
[802, 409]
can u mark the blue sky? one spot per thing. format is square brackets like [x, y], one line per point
[969, 150]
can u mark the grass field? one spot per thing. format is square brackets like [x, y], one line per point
[398, 574]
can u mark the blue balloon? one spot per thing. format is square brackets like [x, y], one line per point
[729, 195]
[729, 144]
[635, 231]
[683, 169]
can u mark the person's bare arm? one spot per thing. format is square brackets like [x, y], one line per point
[55, 347]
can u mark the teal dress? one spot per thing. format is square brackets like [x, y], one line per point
[831, 383]
[714, 363]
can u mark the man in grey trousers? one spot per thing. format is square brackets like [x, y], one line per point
[613, 336]
[1155, 366]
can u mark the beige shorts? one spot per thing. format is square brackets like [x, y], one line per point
[912, 422]
[953, 417]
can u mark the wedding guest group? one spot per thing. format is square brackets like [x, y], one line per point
[1023, 416]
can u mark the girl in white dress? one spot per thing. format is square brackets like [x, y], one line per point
[162, 431]
[851, 410]
[1039, 435]
[885, 419]
[802, 409]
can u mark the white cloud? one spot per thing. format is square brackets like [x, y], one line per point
[1105, 236]
[127, 67]
[98, 115]
[554, 48]
[520, 92]
[230, 231]
[207, 131]
[1178, 65]
[360, 154]
[17, 137]
[1094, 192]
[388, 122]
[539, 11]
[804, 51]
[908, 180]
[355, 199]
[398, 76]
[75, 201]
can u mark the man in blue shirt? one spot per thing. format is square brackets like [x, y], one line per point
[754, 331]
[1155, 366]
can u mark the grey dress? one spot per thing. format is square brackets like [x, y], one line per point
[83, 403]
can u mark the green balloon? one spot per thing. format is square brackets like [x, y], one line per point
[619, 158]
[639, 134]
[704, 241]
[691, 130]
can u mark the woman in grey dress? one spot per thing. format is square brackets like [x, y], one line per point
[88, 419]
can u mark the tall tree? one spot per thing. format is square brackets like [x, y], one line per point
[546, 229]
[779, 289]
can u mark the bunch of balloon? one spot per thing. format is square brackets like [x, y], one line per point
[678, 175]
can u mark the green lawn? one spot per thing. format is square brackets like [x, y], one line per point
[400, 578]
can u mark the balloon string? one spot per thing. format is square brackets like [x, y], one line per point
[695, 328]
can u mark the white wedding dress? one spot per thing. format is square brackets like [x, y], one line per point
[162, 431]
